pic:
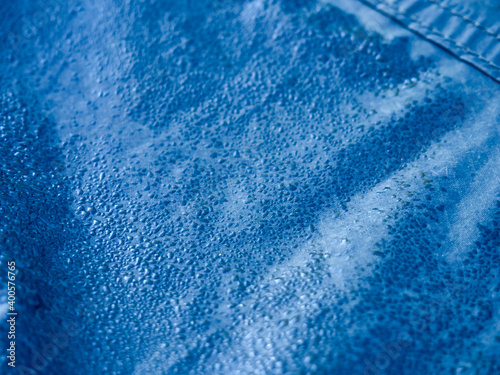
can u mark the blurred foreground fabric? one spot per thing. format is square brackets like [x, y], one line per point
[251, 187]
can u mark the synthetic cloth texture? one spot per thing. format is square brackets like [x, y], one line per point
[245, 187]
[469, 29]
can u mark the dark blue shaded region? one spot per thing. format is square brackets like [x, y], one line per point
[38, 228]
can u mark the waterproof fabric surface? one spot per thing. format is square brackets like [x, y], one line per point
[469, 29]
[245, 187]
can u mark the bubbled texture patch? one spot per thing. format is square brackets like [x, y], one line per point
[259, 187]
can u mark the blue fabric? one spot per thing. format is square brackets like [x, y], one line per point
[468, 29]
[245, 187]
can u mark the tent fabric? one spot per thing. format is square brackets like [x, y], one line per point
[469, 29]
[248, 187]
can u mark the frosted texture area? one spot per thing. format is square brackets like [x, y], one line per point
[244, 187]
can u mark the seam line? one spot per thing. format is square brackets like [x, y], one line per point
[465, 18]
[440, 34]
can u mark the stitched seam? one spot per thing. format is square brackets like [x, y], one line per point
[465, 18]
[440, 34]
